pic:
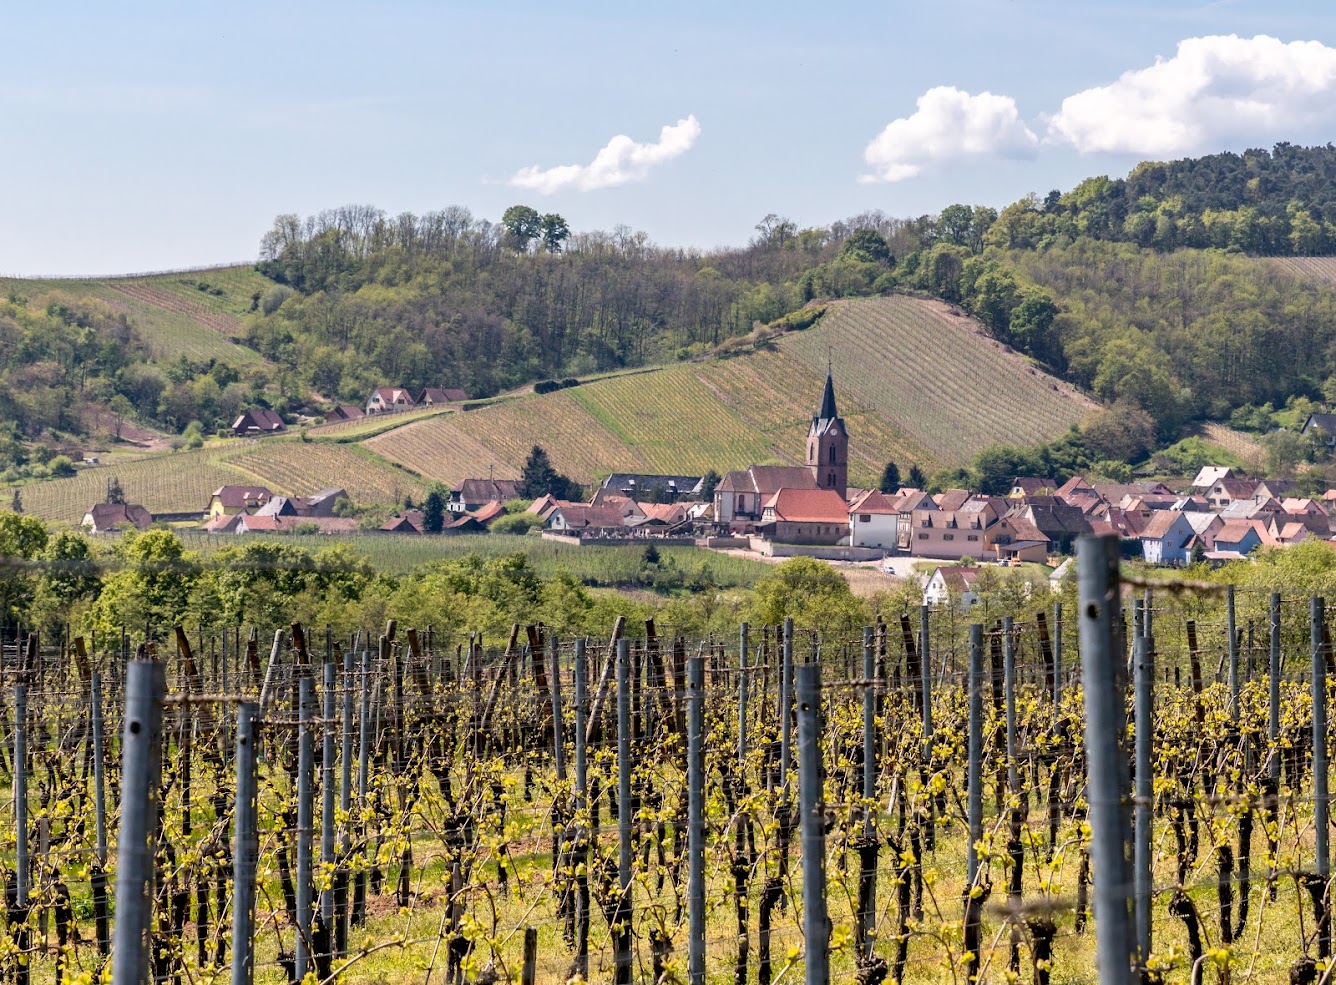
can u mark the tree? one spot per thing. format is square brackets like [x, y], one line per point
[537, 475]
[998, 465]
[115, 494]
[539, 478]
[16, 504]
[554, 232]
[916, 477]
[523, 225]
[708, 483]
[890, 478]
[433, 512]
[868, 246]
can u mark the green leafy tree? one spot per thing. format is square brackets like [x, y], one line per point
[890, 478]
[70, 576]
[810, 591]
[115, 494]
[868, 246]
[523, 225]
[22, 538]
[916, 477]
[997, 466]
[433, 512]
[554, 232]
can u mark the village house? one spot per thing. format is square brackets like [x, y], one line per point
[435, 396]
[1226, 491]
[1025, 487]
[105, 518]
[231, 500]
[740, 497]
[472, 494]
[1239, 537]
[407, 522]
[257, 421]
[953, 582]
[1326, 423]
[345, 412]
[806, 516]
[1168, 538]
[1278, 489]
[648, 488]
[256, 524]
[874, 521]
[1209, 475]
[1014, 538]
[952, 534]
[579, 518]
[385, 399]
[476, 521]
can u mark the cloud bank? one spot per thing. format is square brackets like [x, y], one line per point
[620, 162]
[947, 125]
[1213, 90]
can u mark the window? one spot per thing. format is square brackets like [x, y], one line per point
[742, 504]
[832, 454]
[864, 517]
[948, 536]
[923, 536]
[972, 537]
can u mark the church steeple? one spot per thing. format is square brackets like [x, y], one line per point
[828, 443]
[828, 412]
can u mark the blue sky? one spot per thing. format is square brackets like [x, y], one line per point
[144, 136]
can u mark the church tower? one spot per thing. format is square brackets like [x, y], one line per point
[828, 444]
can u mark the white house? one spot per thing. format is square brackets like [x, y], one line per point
[1167, 538]
[874, 521]
[952, 581]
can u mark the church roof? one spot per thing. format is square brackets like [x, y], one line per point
[828, 412]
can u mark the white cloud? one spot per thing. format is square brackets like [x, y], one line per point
[947, 125]
[1213, 90]
[621, 161]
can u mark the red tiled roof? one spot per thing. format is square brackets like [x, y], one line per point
[808, 506]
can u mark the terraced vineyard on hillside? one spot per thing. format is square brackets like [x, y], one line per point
[300, 468]
[776, 394]
[935, 376]
[172, 315]
[1321, 269]
[916, 384]
[172, 483]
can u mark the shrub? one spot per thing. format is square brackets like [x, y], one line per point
[569, 382]
[546, 386]
[60, 467]
[516, 523]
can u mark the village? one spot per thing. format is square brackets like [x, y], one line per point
[775, 511]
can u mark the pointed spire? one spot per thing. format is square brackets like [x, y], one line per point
[828, 412]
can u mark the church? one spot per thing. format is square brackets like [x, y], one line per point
[795, 504]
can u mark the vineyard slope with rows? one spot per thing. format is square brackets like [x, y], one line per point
[917, 384]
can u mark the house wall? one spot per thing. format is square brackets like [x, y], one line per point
[874, 530]
[788, 532]
[947, 543]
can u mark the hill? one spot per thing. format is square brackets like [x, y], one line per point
[196, 314]
[918, 382]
